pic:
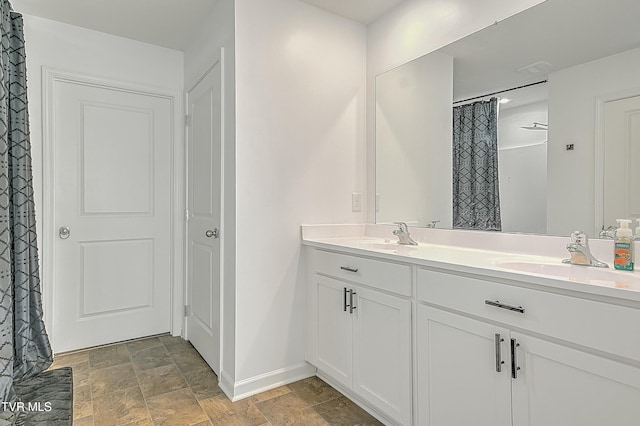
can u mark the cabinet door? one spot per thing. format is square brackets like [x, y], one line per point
[334, 330]
[458, 381]
[382, 352]
[558, 385]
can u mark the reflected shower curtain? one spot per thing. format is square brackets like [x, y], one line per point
[476, 200]
[24, 345]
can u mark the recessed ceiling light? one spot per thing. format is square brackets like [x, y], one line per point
[504, 100]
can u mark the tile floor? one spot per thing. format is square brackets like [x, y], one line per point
[164, 381]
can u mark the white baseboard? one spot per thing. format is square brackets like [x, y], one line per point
[241, 389]
[226, 384]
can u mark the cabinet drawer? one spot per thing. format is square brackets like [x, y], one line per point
[375, 273]
[598, 325]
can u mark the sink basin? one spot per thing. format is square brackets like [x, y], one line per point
[586, 274]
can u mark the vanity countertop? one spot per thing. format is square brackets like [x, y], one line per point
[521, 268]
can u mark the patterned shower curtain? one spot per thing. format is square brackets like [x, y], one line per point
[24, 345]
[476, 200]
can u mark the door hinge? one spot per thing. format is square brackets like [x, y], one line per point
[187, 310]
[186, 215]
[187, 120]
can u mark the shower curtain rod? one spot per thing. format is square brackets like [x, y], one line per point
[500, 91]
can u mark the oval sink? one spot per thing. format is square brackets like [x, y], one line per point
[586, 274]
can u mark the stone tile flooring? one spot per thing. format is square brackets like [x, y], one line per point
[164, 381]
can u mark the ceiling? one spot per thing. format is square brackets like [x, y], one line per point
[364, 11]
[551, 36]
[168, 23]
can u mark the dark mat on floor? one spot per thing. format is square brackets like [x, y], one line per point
[47, 397]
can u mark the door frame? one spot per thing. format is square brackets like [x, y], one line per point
[50, 76]
[219, 58]
[600, 149]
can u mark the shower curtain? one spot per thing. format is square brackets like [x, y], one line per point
[24, 345]
[476, 200]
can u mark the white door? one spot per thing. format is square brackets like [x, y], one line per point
[558, 385]
[621, 160]
[458, 381]
[334, 329]
[112, 215]
[204, 205]
[382, 352]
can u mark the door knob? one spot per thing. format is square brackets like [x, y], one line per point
[211, 233]
[64, 232]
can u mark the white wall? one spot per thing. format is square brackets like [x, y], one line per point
[77, 50]
[412, 29]
[218, 32]
[413, 135]
[572, 120]
[522, 164]
[511, 120]
[300, 96]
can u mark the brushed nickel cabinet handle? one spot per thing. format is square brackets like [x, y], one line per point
[344, 303]
[352, 307]
[499, 360]
[349, 269]
[497, 304]
[514, 359]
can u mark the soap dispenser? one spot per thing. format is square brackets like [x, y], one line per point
[637, 233]
[623, 246]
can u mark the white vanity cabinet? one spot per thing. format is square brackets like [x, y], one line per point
[457, 379]
[527, 357]
[359, 328]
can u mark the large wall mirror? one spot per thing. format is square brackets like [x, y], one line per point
[565, 76]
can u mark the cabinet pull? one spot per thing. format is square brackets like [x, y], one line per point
[344, 303]
[499, 360]
[514, 359]
[349, 269]
[497, 304]
[351, 305]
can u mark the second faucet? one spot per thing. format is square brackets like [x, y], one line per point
[403, 234]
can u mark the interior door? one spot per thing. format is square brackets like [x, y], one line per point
[622, 157]
[112, 214]
[204, 215]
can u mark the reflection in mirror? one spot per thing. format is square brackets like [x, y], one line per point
[414, 148]
[552, 137]
[522, 159]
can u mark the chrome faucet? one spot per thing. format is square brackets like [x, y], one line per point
[609, 232]
[580, 252]
[403, 234]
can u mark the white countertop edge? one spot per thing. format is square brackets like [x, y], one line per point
[538, 245]
[487, 271]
